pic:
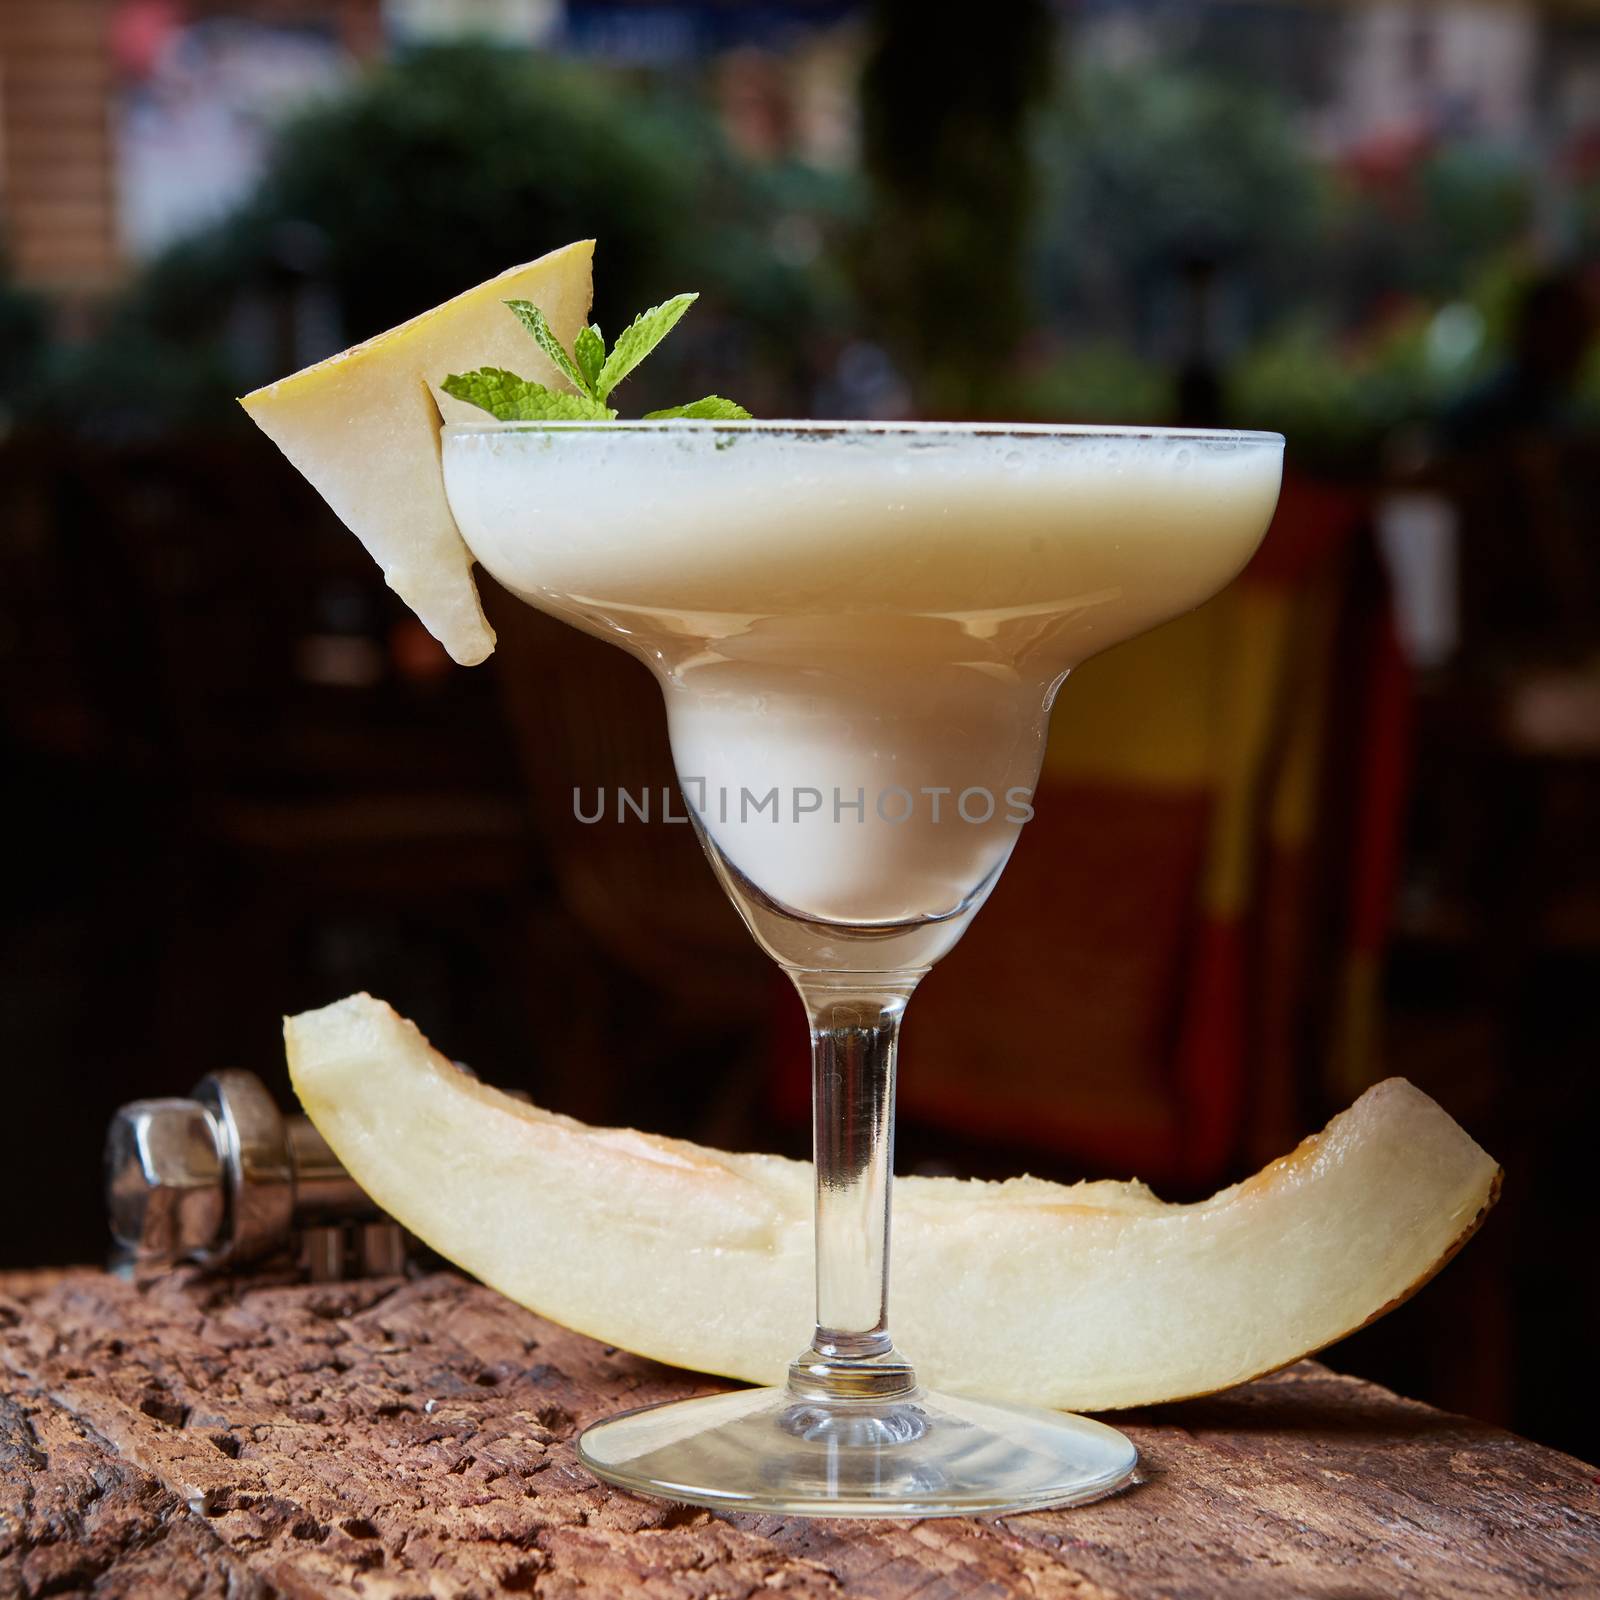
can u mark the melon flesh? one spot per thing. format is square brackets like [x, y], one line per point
[1088, 1297]
[362, 427]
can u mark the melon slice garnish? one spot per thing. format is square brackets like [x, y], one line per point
[363, 429]
[1088, 1297]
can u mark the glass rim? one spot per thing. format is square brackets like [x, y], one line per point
[800, 428]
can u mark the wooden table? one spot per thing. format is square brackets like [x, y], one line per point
[187, 1437]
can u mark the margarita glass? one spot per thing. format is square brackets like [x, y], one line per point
[859, 630]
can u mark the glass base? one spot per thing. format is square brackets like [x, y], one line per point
[915, 1455]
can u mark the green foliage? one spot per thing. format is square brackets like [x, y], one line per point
[441, 169]
[1097, 381]
[1309, 388]
[1147, 163]
[1143, 169]
[1336, 396]
[434, 172]
[1475, 203]
[1005, 213]
[1334, 400]
[1348, 291]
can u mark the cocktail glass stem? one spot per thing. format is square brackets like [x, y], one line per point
[855, 1038]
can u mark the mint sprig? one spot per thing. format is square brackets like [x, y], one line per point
[592, 373]
[712, 409]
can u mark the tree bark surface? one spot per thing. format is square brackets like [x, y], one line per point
[187, 1436]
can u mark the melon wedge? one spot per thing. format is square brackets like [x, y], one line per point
[363, 428]
[1088, 1298]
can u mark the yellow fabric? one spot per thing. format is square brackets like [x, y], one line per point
[1144, 713]
[1191, 707]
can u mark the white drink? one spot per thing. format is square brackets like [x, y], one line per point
[851, 624]
[873, 627]
[858, 631]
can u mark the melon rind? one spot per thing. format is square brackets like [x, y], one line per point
[1087, 1297]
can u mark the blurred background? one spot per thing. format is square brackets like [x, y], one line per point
[1339, 824]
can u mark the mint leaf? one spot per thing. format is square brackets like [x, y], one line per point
[533, 319]
[638, 339]
[590, 349]
[508, 398]
[590, 371]
[711, 409]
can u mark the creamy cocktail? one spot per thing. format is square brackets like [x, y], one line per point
[859, 629]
